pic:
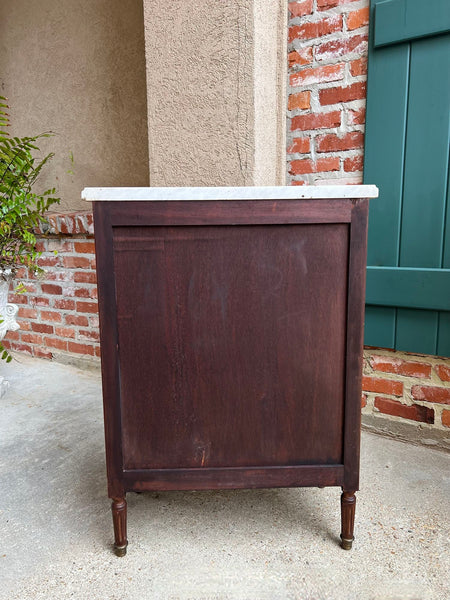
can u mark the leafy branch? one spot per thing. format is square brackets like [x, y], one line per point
[22, 209]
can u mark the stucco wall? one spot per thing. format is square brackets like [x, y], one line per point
[213, 84]
[78, 69]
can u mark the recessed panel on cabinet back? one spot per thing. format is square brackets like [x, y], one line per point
[226, 335]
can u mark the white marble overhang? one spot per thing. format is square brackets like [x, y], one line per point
[97, 194]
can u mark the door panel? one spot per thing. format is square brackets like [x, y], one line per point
[218, 385]
[426, 157]
[407, 156]
[416, 330]
[400, 21]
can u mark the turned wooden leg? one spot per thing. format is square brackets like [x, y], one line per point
[119, 513]
[348, 504]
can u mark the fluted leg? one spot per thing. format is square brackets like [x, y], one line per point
[119, 513]
[348, 504]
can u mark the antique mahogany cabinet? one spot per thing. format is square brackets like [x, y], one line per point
[231, 324]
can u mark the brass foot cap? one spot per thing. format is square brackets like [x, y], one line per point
[120, 550]
[346, 544]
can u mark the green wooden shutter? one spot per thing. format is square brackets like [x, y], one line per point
[407, 156]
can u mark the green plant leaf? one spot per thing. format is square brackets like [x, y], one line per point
[22, 208]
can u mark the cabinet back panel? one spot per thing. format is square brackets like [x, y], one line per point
[223, 333]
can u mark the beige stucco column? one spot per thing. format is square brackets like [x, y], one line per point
[216, 91]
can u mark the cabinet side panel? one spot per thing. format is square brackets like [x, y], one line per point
[355, 335]
[108, 338]
[231, 344]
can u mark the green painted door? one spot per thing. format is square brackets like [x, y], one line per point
[407, 156]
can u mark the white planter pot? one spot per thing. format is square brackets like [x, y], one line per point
[8, 314]
[8, 311]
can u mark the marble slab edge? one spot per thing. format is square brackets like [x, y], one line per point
[99, 194]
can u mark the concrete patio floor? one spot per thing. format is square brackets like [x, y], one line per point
[56, 528]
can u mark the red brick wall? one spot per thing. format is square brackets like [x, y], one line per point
[406, 386]
[327, 66]
[327, 56]
[58, 312]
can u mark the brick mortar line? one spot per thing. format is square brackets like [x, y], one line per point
[298, 43]
[317, 61]
[432, 381]
[353, 105]
[433, 361]
[326, 85]
[62, 236]
[82, 341]
[353, 153]
[357, 3]
[370, 408]
[346, 81]
[318, 15]
[347, 57]
[436, 426]
[313, 133]
[56, 282]
[60, 283]
[58, 325]
[346, 78]
[328, 130]
[385, 352]
[59, 297]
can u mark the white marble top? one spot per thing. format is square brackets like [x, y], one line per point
[229, 193]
